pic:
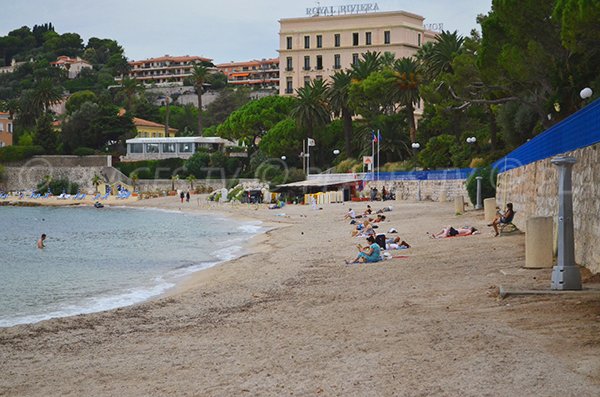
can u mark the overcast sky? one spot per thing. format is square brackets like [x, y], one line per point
[224, 30]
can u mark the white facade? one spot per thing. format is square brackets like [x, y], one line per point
[178, 147]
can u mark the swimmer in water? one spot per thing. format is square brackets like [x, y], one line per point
[40, 243]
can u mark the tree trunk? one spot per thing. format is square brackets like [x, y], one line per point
[493, 129]
[347, 122]
[412, 127]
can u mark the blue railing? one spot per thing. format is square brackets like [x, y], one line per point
[577, 131]
[453, 174]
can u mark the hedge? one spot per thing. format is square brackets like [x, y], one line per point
[9, 154]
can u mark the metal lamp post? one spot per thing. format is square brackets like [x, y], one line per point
[565, 275]
[416, 146]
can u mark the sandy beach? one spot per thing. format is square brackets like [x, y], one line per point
[290, 318]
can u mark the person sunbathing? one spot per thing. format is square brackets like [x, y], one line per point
[380, 218]
[369, 254]
[363, 229]
[503, 217]
[396, 244]
[452, 232]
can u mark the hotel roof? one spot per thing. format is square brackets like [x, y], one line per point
[165, 58]
[147, 123]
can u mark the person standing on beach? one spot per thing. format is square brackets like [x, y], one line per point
[187, 196]
[182, 196]
[40, 243]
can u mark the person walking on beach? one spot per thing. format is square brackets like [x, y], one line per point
[182, 196]
[40, 243]
[187, 196]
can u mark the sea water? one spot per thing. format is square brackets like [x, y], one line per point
[100, 259]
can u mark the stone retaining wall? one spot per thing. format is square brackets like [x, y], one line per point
[430, 189]
[153, 185]
[533, 189]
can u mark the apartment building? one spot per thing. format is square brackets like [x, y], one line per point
[6, 130]
[166, 70]
[316, 47]
[263, 74]
[73, 66]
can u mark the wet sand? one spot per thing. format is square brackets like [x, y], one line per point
[290, 318]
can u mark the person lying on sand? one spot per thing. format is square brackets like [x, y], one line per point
[369, 254]
[363, 229]
[451, 232]
[396, 244]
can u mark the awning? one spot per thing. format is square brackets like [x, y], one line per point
[319, 183]
[239, 75]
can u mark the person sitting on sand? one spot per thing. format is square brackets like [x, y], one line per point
[40, 242]
[363, 229]
[350, 214]
[503, 217]
[451, 232]
[369, 254]
[368, 211]
[380, 218]
[396, 244]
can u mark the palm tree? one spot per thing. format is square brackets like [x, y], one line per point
[199, 75]
[129, 89]
[46, 93]
[96, 181]
[310, 109]
[134, 176]
[191, 179]
[406, 90]
[339, 100]
[371, 62]
[437, 57]
[173, 179]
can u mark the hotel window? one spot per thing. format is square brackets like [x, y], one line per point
[368, 38]
[306, 80]
[319, 41]
[319, 77]
[319, 62]
[288, 43]
[337, 62]
[386, 37]
[185, 148]
[306, 41]
[354, 38]
[419, 40]
[337, 40]
[10, 127]
[152, 148]
[168, 148]
[136, 148]
[289, 88]
[288, 64]
[307, 62]
[354, 59]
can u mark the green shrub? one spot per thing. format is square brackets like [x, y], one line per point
[84, 151]
[397, 166]
[488, 183]
[13, 153]
[346, 165]
[151, 169]
[57, 186]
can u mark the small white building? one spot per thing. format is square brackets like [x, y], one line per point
[73, 66]
[178, 147]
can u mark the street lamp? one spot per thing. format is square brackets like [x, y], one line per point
[283, 158]
[336, 151]
[471, 140]
[416, 145]
[586, 93]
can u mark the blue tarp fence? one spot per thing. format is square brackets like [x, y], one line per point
[461, 173]
[579, 130]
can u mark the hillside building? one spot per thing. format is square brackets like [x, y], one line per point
[259, 74]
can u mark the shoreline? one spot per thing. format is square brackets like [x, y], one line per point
[289, 318]
[184, 282]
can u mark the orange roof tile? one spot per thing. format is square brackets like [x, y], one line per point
[171, 59]
[147, 123]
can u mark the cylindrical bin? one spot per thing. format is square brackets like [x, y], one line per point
[489, 209]
[538, 242]
[459, 205]
[443, 196]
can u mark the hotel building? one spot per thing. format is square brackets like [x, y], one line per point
[165, 70]
[316, 47]
[263, 74]
[6, 130]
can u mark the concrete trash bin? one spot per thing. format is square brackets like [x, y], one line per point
[538, 242]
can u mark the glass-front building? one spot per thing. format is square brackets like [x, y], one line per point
[163, 148]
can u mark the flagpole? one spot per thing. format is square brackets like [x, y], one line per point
[307, 158]
[373, 158]
[378, 159]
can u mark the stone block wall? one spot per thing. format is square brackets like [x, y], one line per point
[430, 189]
[533, 189]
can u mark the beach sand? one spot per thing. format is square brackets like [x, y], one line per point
[290, 318]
